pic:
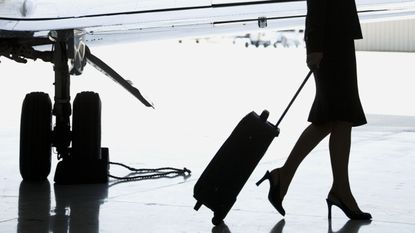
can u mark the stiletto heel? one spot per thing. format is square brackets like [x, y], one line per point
[266, 176]
[329, 204]
[352, 214]
[274, 192]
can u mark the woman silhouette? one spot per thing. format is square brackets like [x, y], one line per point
[331, 28]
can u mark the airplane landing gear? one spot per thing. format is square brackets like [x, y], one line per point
[86, 129]
[35, 137]
[86, 161]
[83, 163]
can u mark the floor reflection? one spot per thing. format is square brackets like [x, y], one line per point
[77, 208]
[222, 228]
[34, 208]
[351, 226]
[278, 227]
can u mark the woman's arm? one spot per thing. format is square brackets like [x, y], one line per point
[315, 25]
[315, 30]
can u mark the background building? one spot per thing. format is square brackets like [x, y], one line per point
[397, 36]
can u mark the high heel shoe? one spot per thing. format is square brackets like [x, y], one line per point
[352, 214]
[274, 192]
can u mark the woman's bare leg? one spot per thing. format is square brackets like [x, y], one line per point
[309, 139]
[340, 140]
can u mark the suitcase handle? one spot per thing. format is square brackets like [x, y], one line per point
[293, 99]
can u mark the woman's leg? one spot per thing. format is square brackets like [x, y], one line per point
[309, 139]
[340, 140]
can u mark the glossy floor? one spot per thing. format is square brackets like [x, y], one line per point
[190, 122]
[381, 174]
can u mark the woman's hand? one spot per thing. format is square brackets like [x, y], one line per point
[314, 60]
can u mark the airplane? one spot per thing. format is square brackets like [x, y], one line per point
[62, 32]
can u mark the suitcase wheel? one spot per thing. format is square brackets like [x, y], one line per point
[197, 206]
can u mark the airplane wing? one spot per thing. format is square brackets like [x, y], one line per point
[125, 20]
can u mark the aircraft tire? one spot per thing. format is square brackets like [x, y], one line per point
[35, 137]
[86, 127]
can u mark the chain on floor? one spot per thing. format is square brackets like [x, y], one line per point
[150, 173]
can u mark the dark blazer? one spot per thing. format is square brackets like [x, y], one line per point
[330, 20]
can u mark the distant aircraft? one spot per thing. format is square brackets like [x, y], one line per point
[67, 28]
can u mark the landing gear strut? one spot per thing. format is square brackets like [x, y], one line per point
[62, 107]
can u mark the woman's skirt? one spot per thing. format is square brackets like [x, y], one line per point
[337, 95]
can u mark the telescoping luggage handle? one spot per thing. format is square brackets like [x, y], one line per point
[293, 99]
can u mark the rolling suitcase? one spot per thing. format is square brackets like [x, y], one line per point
[228, 171]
